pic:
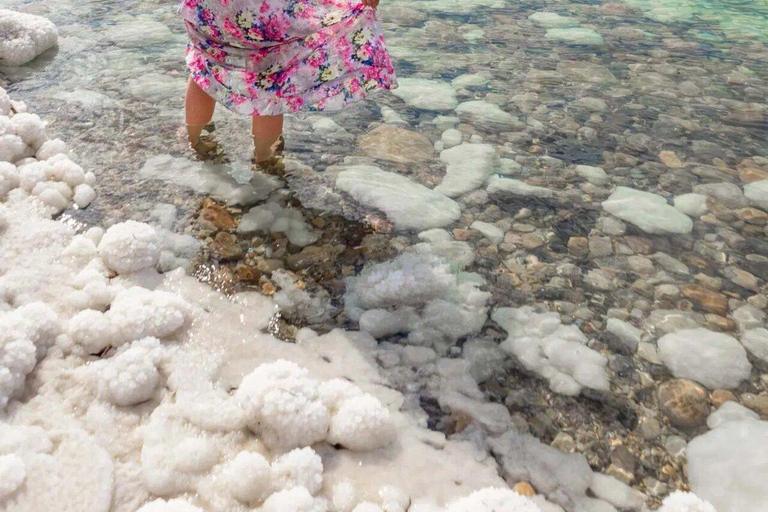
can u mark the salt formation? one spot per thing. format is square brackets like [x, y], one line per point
[136, 239]
[131, 376]
[419, 294]
[12, 475]
[469, 166]
[248, 477]
[26, 334]
[492, 500]
[555, 351]
[727, 466]
[680, 501]
[427, 94]
[298, 304]
[134, 313]
[291, 410]
[649, 212]
[23, 37]
[30, 164]
[301, 467]
[728, 412]
[297, 499]
[713, 359]
[273, 218]
[487, 116]
[176, 505]
[407, 204]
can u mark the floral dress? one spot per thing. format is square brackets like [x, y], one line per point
[269, 57]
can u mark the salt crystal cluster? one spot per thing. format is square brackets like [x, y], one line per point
[134, 313]
[24, 36]
[131, 376]
[26, 334]
[557, 352]
[680, 501]
[418, 293]
[273, 218]
[130, 247]
[485, 500]
[289, 410]
[31, 164]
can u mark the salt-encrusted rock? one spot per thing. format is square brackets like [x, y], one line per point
[555, 351]
[84, 195]
[23, 37]
[575, 35]
[499, 184]
[553, 20]
[757, 193]
[427, 94]
[594, 175]
[756, 341]
[694, 205]
[129, 247]
[617, 493]
[469, 166]
[273, 218]
[713, 359]
[407, 204]
[729, 412]
[649, 212]
[487, 116]
[726, 466]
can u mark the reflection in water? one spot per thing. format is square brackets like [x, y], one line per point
[481, 184]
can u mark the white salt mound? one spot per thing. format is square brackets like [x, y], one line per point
[247, 477]
[493, 500]
[649, 212]
[282, 404]
[297, 499]
[130, 377]
[680, 501]
[129, 247]
[301, 467]
[728, 466]
[23, 37]
[713, 359]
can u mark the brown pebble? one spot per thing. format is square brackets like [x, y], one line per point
[684, 402]
[524, 489]
[720, 396]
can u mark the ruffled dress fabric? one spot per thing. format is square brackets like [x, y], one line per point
[269, 57]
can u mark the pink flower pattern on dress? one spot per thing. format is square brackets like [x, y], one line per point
[269, 57]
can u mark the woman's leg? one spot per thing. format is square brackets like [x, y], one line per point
[199, 111]
[266, 131]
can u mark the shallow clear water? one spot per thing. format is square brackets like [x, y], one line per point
[674, 97]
